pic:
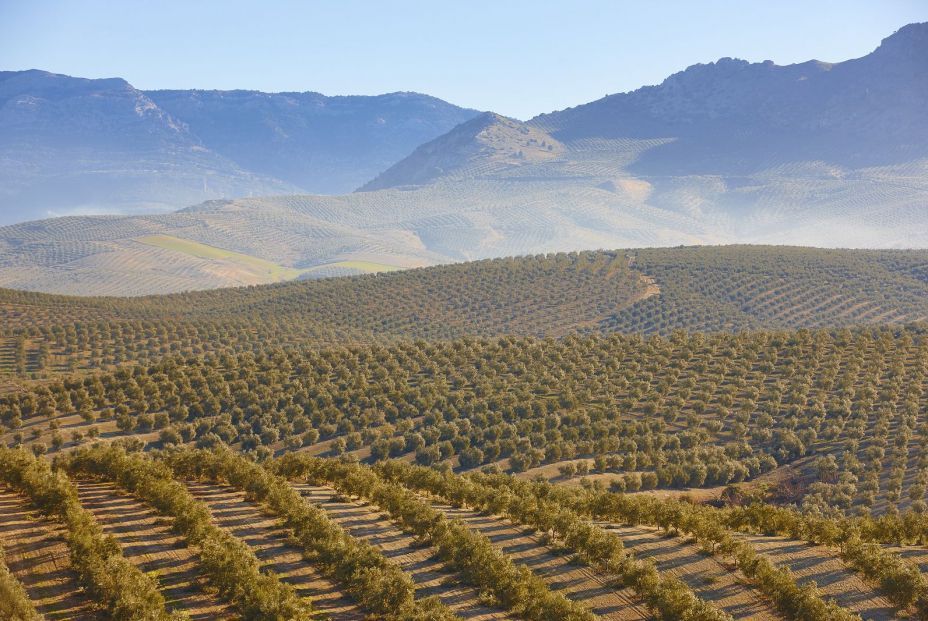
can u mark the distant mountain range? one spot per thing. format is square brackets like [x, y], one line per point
[725, 118]
[812, 154]
[72, 145]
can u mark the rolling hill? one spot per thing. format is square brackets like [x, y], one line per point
[527, 438]
[651, 291]
[444, 473]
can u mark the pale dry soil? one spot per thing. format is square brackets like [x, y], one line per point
[147, 541]
[420, 562]
[719, 583]
[575, 580]
[37, 554]
[822, 565]
[273, 546]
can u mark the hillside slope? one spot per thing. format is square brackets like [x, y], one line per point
[725, 289]
[320, 144]
[732, 117]
[71, 145]
[312, 236]
[489, 140]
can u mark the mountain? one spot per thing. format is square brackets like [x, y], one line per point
[323, 145]
[832, 155]
[72, 145]
[735, 117]
[488, 140]
[732, 117]
[814, 153]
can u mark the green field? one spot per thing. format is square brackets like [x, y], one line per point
[364, 267]
[273, 271]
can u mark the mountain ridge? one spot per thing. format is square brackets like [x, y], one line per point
[78, 145]
[794, 111]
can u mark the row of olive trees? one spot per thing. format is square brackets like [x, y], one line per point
[15, 604]
[701, 523]
[470, 553]
[377, 583]
[668, 597]
[691, 410]
[228, 562]
[126, 592]
[857, 540]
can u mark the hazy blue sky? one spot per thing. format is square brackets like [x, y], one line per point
[518, 58]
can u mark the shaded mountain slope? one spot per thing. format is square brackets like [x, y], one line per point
[735, 117]
[323, 145]
[814, 153]
[72, 145]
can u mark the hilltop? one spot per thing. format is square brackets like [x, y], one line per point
[490, 141]
[732, 117]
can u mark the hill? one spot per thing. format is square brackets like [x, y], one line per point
[262, 240]
[489, 140]
[478, 440]
[322, 145]
[825, 422]
[724, 289]
[72, 145]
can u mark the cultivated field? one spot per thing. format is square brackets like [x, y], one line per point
[454, 556]
[650, 291]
